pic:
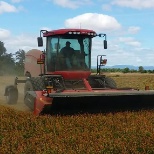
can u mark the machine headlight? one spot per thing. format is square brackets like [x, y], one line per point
[69, 32]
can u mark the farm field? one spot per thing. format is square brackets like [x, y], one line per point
[106, 133]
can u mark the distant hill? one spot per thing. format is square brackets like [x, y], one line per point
[131, 67]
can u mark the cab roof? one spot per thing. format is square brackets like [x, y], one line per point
[67, 31]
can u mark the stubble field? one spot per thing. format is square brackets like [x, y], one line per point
[110, 133]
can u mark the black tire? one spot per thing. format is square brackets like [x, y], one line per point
[28, 86]
[12, 96]
[110, 83]
[34, 84]
[38, 83]
[96, 81]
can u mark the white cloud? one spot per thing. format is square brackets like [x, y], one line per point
[106, 7]
[138, 59]
[5, 7]
[134, 43]
[117, 53]
[4, 34]
[130, 41]
[133, 29]
[137, 4]
[73, 4]
[24, 40]
[14, 43]
[95, 21]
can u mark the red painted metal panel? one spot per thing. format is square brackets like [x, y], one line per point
[64, 31]
[40, 102]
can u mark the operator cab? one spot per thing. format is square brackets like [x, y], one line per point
[68, 53]
[68, 49]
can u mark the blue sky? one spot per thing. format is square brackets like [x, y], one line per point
[129, 25]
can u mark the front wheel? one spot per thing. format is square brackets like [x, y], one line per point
[12, 96]
[110, 83]
[28, 87]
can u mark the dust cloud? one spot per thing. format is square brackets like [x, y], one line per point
[9, 80]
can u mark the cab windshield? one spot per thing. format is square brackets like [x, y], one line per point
[66, 53]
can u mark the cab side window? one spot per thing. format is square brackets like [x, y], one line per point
[51, 53]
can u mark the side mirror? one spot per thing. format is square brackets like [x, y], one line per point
[40, 41]
[105, 44]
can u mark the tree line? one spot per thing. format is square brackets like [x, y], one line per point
[11, 63]
[124, 70]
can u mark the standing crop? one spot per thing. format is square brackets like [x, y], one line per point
[121, 132]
